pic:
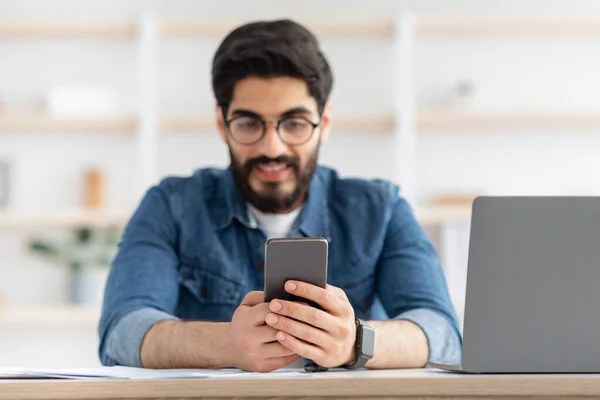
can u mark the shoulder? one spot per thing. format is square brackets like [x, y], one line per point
[179, 197]
[202, 180]
[351, 192]
[181, 194]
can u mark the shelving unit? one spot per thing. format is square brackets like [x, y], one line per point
[405, 121]
[68, 29]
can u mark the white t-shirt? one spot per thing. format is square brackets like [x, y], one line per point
[275, 225]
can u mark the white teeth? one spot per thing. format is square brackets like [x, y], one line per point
[272, 167]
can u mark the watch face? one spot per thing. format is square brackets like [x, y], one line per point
[368, 341]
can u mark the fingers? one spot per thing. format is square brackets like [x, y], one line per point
[253, 298]
[265, 334]
[259, 313]
[302, 312]
[338, 292]
[323, 297]
[302, 349]
[275, 350]
[300, 330]
[276, 363]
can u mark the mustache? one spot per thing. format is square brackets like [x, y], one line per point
[253, 162]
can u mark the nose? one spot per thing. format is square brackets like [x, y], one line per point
[271, 145]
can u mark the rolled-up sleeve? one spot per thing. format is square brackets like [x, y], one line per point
[412, 286]
[142, 288]
[443, 339]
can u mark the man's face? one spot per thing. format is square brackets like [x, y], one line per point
[273, 175]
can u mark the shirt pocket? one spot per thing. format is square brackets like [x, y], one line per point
[211, 287]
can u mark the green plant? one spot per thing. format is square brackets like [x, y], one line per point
[86, 247]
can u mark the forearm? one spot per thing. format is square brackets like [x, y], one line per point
[398, 344]
[189, 344]
[415, 337]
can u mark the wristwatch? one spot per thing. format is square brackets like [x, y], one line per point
[364, 346]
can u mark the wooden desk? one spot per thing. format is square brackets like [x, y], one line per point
[341, 385]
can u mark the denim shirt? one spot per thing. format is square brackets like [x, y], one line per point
[191, 251]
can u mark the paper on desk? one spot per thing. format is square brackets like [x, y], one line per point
[136, 373]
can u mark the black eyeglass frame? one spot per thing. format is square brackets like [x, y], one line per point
[264, 131]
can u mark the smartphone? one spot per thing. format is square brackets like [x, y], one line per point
[301, 259]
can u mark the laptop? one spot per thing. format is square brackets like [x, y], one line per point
[533, 286]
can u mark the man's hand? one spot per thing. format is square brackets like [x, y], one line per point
[326, 337]
[252, 345]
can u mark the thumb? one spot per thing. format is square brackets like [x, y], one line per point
[253, 298]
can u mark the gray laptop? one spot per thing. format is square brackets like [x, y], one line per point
[533, 286]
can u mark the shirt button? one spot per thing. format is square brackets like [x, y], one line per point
[260, 265]
[204, 291]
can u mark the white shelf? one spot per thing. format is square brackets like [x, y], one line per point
[38, 122]
[63, 315]
[62, 219]
[507, 121]
[349, 27]
[482, 25]
[68, 29]
[186, 123]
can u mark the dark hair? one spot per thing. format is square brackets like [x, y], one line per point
[270, 49]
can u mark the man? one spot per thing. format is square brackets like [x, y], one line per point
[185, 287]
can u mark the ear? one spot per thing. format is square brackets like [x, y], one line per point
[220, 123]
[326, 121]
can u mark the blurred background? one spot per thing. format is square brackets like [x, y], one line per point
[100, 99]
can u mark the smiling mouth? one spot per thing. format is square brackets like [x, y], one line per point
[273, 171]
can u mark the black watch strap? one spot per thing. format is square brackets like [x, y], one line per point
[364, 346]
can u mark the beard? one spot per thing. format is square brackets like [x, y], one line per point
[271, 200]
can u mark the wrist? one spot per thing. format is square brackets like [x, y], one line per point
[364, 344]
[352, 358]
[227, 359]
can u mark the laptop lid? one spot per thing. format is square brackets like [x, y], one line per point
[533, 286]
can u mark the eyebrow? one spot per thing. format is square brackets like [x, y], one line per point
[241, 112]
[295, 111]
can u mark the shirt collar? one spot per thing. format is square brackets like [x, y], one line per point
[313, 221]
[231, 204]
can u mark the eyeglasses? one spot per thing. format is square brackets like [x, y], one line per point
[293, 131]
